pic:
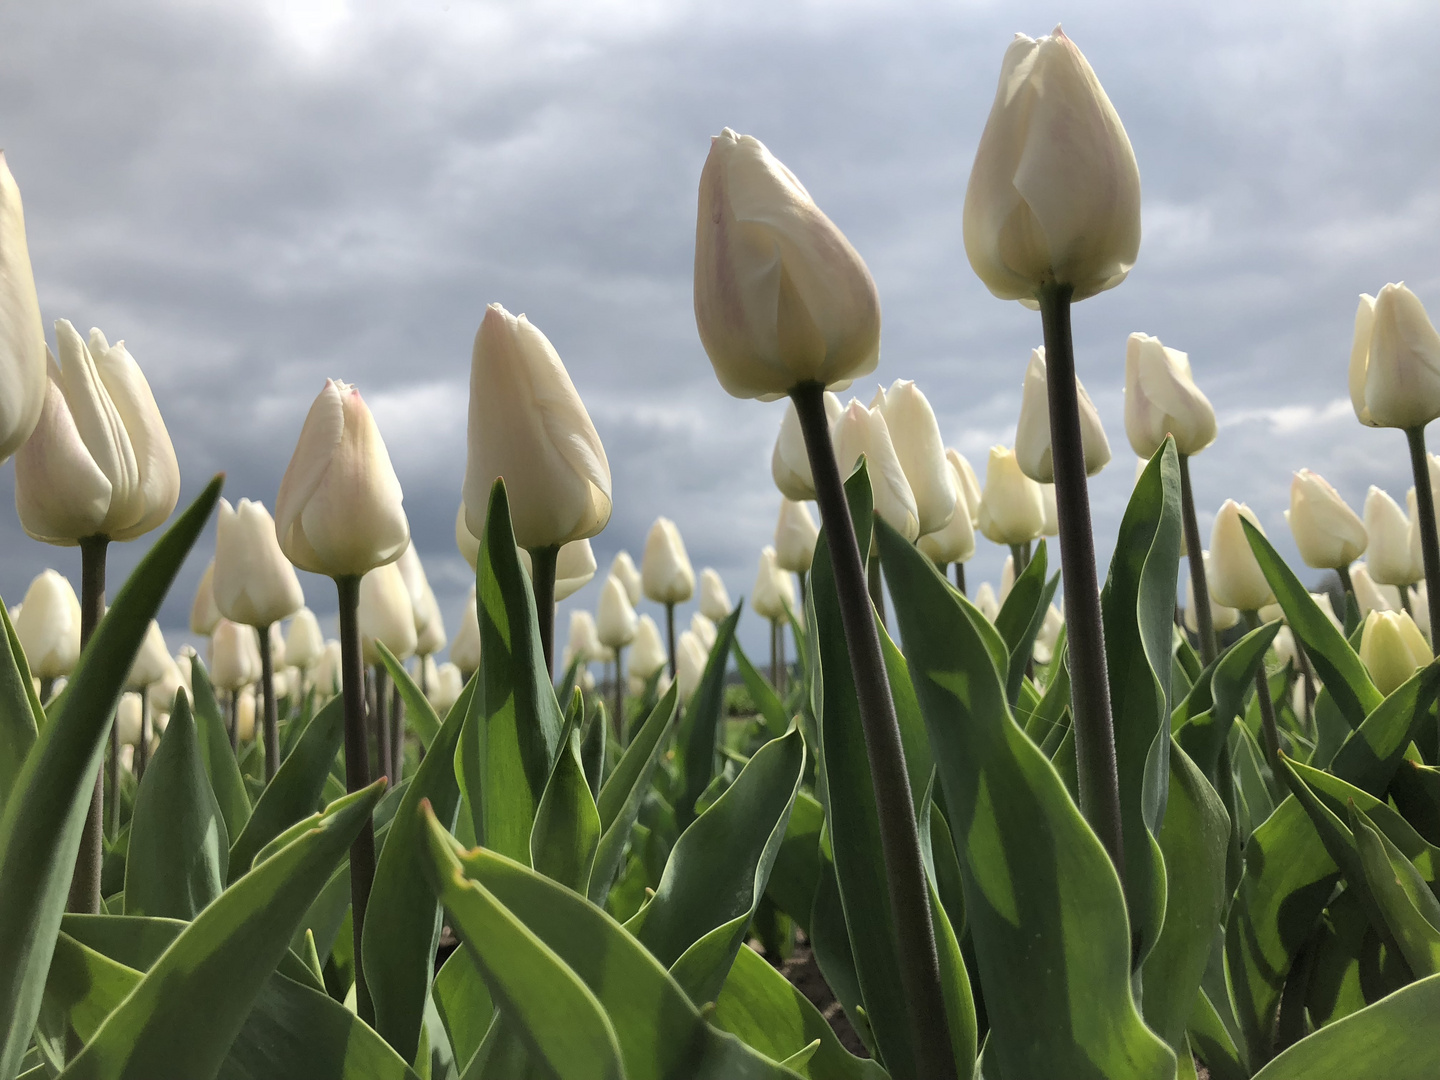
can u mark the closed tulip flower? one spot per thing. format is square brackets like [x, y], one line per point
[863, 431]
[151, 662]
[781, 298]
[1051, 527]
[1328, 533]
[432, 638]
[1236, 579]
[304, 644]
[234, 656]
[1032, 432]
[1370, 595]
[161, 692]
[774, 591]
[1420, 605]
[795, 536]
[574, 567]
[1012, 507]
[665, 572]
[790, 462]
[445, 688]
[1389, 558]
[204, 612]
[253, 582]
[969, 482]
[412, 573]
[22, 335]
[385, 614]
[529, 426]
[99, 462]
[584, 641]
[1392, 648]
[915, 434]
[339, 509]
[48, 625]
[1394, 361]
[705, 630]
[245, 715]
[622, 568]
[327, 674]
[465, 649]
[1161, 399]
[692, 656]
[1221, 617]
[466, 542]
[1054, 195]
[986, 602]
[615, 622]
[647, 651]
[715, 602]
[128, 718]
[956, 541]
[1049, 635]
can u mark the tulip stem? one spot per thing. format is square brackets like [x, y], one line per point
[357, 774]
[542, 562]
[1204, 620]
[1099, 780]
[877, 592]
[85, 884]
[1425, 510]
[142, 748]
[1347, 587]
[235, 722]
[1268, 729]
[775, 655]
[397, 732]
[670, 637]
[899, 837]
[272, 720]
[1020, 558]
[960, 577]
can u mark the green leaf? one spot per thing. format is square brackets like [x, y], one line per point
[567, 824]
[1406, 903]
[1219, 697]
[220, 764]
[1336, 663]
[796, 873]
[513, 727]
[760, 1006]
[296, 789]
[464, 1004]
[44, 816]
[717, 871]
[699, 732]
[1022, 615]
[661, 1035]
[216, 966]
[179, 850]
[1040, 892]
[20, 713]
[419, 713]
[1394, 1039]
[771, 708]
[402, 927]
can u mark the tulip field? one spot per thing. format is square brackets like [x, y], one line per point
[1071, 828]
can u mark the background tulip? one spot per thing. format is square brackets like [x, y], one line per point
[955, 543]
[795, 536]
[790, 461]
[705, 630]
[253, 582]
[915, 434]
[1328, 533]
[466, 541]
[691, 664]
[152, 660]
[234, 656]
[1032, 432]
[986, 602]
[1392, 648]
[465, 649]
[1369, 594]
[574, 567]
[1161, 399]
[774, 590]
[446, 688]
[1012, 506]
[665, 571]
[647, 651]
[327, 675]
[128, 712]
[861, 431]
[781, 298]
[304, 644]
[529, 426]
[1221, 617]
[615, 622]
[622, 568]
[715, 602]
[48, 625]
[1394, 361]
[1054, 195]
[204, 612]
[1389, 558]
[1051, 524]
[1049, 635]
[584, 640]
[385, 614]
[1235, 577]
[969, 482]
[22, 335]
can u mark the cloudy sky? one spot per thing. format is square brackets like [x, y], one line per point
[257, 195]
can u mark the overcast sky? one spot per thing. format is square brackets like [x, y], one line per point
[258, 195]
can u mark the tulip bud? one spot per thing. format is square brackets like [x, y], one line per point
[446, 688]
[1284, 646]
[1328, 533]
[1370, 595]
[774, 592]
[622, 568]
[665, 571]
[714, 600]
[204, 612]
[956, 541]
[616, 622]
[161, 692]
[705, 630]
[326, 675]
[529, 426]
[1054, 195]
[253, 582]
[795, 536]
[915, 435]
[1420, 605]
[234, 655]
[1392, 648]
[1394, 361]
[1322, 601]
[129, 715]
[969, 483]
[385, 614]
[22, 335]
[691, 657]
[863, 431]
[574, 567]
[417, 585]
[466, 541]
[465, 649]
[1236, 579]
[584, 641]
[151, 661]
[431, 639]
[338, 512]
[1161, 399]
[781, 298]
[1032, 432]
[647, 651]
[790, 461]
[1049, 635]
[245, 715]
[986, 602]
[1007, 578]
[1051, 527]
[1221, 617]
[1388, 557]
[99, 462]
[1012, 507]
[48, 625]
[304, 644]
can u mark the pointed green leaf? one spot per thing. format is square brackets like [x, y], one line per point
[567, 825]
[771, 708]
[20, 711]
[1409, 908]
[699, 732]
[1021, 616]
[220, 763]
[796, 873]
[419, 713]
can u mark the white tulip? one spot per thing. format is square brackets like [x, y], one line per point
[22, 335]
[858, 431]
[774, 592]
[715, 602]
[1389, 558]
[647, 651]
[956, 541]
[234, 656]
[1322, 600]
[253, 582]
[446, 688]
[691, 658]
[584, 641]
[665, 572]
[1370, 595]
[1051, 527]
[969, 483]
[1392, 648]
[1161, 399]
[430, 639]
[1049, 635]
[915, 434]
[790, 461]
[1394, 361]
[574, 567]
[986, 602]
[616, 622]
[1236, 579]
[465, 649]
[1007, 578]
[48, 625]
[304, 644]
[795, 536]
[1032, 432]
[1221, 617]
[161, 693]
[705, 630]
[129, 714]
[466, 542]
[1328, 533]
[204, 613]
[622, 568]
[152, 660]
[1012, 507]
[385, 615]
[326, 677]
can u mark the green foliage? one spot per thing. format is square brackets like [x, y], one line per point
[699, 734]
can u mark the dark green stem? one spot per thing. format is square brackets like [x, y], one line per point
[271, 716]
[899, 838]
[1425, 510]
[142, 748]
[620, 687]
[380, 722]
[670, 636]
[877, 591]
[960, 577]
[1194, 548]
[1268, 730]
[85, 884]
[235, 722]
[775, 654]
[542, 578]
[1094, 728]
[357, 775]
[397, 732]
[1348, 587]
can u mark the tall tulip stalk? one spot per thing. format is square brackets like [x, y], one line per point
[788, 317]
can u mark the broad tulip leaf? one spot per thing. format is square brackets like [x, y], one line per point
[179, 850]
[918, 763]
[660, 1033]
[402, 925]
[464, 1004]
[830, 940]
[1415, 788]
[1406, 903]
[1336, 663]
[716, 875]
[698, 737]
[567, 824]
[1021, 616]
[796, 873]
[767, 701]
[1138, 605]
[220, 763]
[296, 789]
[1219, 697]
[761, 1007]
[20, 713]
[1394, 1039]
[1040, 892]
[419, 713]
[513, 726]
[44, 817]
[217, 965]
